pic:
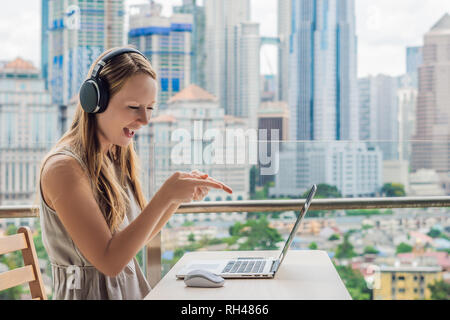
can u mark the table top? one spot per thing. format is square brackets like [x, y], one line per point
[303, 275]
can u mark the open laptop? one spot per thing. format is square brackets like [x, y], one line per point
[249, 267]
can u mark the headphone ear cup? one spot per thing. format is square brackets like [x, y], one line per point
[104, 94]
[89, 96]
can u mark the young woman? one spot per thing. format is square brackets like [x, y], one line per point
[93, 214]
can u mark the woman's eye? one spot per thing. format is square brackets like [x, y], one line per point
[135, 108]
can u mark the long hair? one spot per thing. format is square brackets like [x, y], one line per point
[107, 187]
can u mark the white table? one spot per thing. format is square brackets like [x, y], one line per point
[303, 275]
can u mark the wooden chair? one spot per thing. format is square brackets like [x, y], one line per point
[30, 273]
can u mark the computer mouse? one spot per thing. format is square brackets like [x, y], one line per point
[203, 279]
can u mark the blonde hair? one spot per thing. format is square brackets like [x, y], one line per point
[108, 188]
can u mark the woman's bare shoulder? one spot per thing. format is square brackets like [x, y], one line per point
[61, 171]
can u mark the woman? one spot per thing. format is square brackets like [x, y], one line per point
[94, 217]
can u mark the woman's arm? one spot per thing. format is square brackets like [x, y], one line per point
[162, 222]
[68, 188]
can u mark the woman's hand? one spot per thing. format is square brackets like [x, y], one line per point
[201, 192]
[184, 187]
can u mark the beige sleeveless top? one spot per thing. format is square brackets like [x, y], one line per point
[73, 276]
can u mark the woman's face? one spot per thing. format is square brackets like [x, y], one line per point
[128, 110]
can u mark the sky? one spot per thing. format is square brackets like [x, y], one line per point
[384, 29]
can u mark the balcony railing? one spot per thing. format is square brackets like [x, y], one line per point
[153, 249]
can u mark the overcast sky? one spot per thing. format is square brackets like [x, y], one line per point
[384, 29]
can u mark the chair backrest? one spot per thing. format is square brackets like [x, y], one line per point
[30, 272]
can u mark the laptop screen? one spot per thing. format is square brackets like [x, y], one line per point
[297, 223]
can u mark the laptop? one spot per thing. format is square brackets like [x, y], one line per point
[249, 267]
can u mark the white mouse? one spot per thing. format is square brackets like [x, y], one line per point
[203, 279]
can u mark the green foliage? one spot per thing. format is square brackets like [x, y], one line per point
[259, 236]
[436, 233]
[12, 260]
[440, 290]
[334, 237]
[312, 246]
[191, 237]
[345, 249]
[355, 283]
[403, 248]
[367, 212]
[393, 190]
[324, 191]
[370, 250]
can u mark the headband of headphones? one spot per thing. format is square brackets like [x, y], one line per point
[94, 92]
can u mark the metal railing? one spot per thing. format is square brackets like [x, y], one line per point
[153, 248]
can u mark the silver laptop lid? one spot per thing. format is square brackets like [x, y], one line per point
[297, 224]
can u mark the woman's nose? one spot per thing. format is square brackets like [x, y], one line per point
[144, 116]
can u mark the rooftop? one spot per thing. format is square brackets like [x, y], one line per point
[19, 64]
[193, 93]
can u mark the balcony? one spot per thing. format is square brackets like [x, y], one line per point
[153, 251]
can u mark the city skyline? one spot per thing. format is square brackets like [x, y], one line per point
[380, 51]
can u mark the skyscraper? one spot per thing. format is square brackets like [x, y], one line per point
[284, 32]
[232, 48]
[378, 112]
[413, 61]
[77, 34]
[433, 104]
[323, 105]
[28, 128]
[323, 85]
[44, 41]
[197, 40]
[166, 42]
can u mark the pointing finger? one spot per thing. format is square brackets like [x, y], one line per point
[206, 183]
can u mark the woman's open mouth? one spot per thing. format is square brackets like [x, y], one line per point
[128, 132]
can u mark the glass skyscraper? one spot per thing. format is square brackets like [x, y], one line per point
[323, 83]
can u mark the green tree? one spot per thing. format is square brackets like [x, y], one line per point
[440, 290]
[324, 191]
[312, 246]
[334, 237]
[12, 260]
[253, 180]
[191, 237]
[354, 282]
[370, 250]
[259, 236]
[403, 248]
[345, 249]
[393, 190]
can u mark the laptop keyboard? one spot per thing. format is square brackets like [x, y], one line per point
[244, 266]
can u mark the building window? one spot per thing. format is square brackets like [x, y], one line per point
[401, 278]
[402, 290]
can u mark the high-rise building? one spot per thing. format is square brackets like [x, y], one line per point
[44, 40]
[232, 50]
[166, 42]
[182, 137]
[271, 116]
[78, 32]
[248, 74]
[284, 33]
[28, 128]
[323, 105]
[413, 61]
[354, 168]
[378, 112]
[433, 104]
[323, 97]
[197, 40]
